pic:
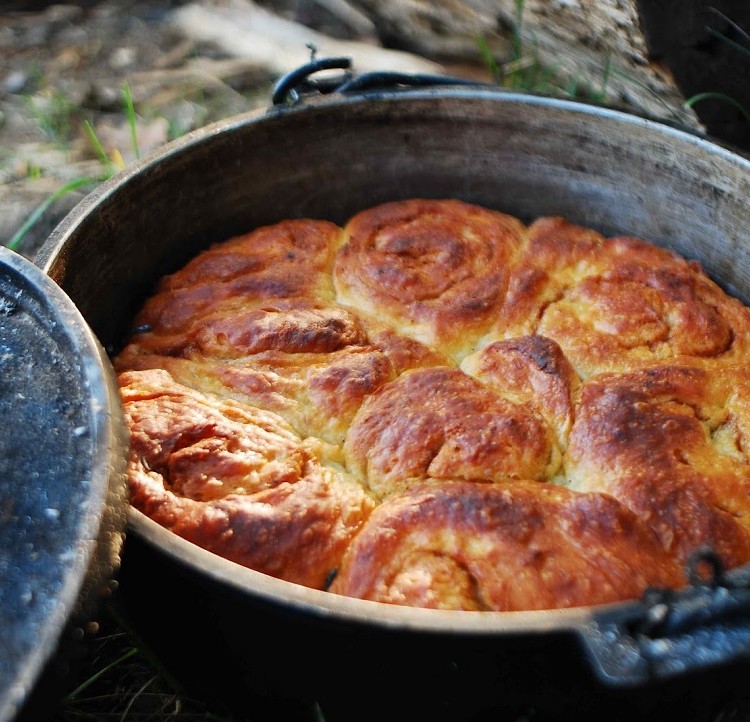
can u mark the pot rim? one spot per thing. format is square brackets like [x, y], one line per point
[326, 605]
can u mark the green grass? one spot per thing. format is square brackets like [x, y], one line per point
[525, 71]
[55, 114]
[109, 166]
[14, 243]
[721, 97]
[742, 46]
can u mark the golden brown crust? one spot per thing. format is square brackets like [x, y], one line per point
[439, 423]
[284, 260]
[237, 481]
[311, 362]
[289, 325]
[502, 547]
[436, 269]
[671, 443]
[529, 370]
[614, 304]
[456, 410]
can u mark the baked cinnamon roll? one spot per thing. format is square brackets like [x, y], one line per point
[615, 304]
[503, 547]
[237, 481]
[436, 270]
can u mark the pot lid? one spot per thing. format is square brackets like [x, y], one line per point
[62, 477]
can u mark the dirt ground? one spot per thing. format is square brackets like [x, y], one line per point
[64, 69]
[63, 66]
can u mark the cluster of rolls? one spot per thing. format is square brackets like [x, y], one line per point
[442, 407]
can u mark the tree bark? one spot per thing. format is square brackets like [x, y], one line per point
[594, 44]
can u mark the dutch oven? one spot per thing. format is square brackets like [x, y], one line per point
[63, 487]
[267, 649]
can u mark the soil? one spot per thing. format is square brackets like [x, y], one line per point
[65, 66]
[64, 70]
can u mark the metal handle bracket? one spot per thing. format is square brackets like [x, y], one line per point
[672, 632]
[300, 83]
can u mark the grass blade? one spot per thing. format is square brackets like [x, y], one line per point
[130, 113]
[489, 59]
[734, 26]
[690, 102]
[42, 208]
[88, 682]
[98, 147]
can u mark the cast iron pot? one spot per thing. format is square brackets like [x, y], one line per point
[267, 649]
[63, 487]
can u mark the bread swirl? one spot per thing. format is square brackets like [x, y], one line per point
[436, 270]
[613, 304]
[438, 406]
[517, 546]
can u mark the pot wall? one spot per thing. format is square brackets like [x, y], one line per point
[265, 661]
